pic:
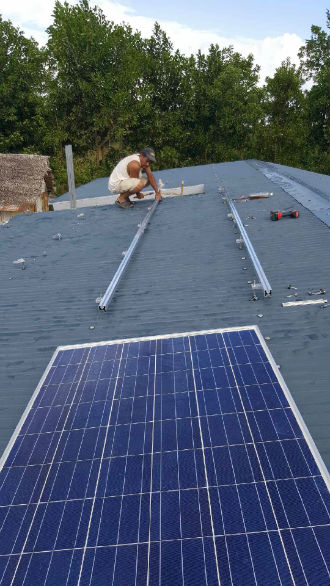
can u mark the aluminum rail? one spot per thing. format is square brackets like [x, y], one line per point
[264, 283]
[120, 271]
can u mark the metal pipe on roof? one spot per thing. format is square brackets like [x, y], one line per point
[70, 172]
[120, 271]
[265, 285]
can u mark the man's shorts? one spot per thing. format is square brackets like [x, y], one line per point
[131, 184]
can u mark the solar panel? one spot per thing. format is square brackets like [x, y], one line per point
[164, 461]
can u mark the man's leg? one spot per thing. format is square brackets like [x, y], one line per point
[140, 195]
[124, 196]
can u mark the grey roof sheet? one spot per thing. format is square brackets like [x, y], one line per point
[187, 274]
[309, 189]
[95, 188]
[319, 183]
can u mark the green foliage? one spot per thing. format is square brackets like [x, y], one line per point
[283, 135]
[86, 169]
[94, 77]
[21, 86]
[109, 93]
[314, 55]
[225, 109]
[315, 64]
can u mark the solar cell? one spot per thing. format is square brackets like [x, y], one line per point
[164, 461]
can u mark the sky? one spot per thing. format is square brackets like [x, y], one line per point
[271, 30]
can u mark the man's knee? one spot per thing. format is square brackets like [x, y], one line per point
[132, 185]
[139, 186]
[143, 183]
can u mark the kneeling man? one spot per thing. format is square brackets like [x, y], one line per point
[126, 178]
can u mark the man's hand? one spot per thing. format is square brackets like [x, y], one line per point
[139, 195]
[158, 195]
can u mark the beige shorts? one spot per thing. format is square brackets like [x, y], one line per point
[131, 184]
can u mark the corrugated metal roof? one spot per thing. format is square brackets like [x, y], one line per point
[314, 197]
[188, 274]
[95, 188]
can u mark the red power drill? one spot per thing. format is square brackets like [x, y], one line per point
[278, 215]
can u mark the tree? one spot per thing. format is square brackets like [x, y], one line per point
[314, 55]
[283, 135]
[95, 77]
[226, 105]
[22, 74]
[315, 64]
[163, 94]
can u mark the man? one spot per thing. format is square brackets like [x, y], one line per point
[126, 178]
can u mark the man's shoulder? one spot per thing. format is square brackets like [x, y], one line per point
[134, 163]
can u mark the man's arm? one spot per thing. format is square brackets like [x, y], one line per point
[153, 183]
[133, 169]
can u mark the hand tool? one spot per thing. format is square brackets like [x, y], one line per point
[278, 215]
[261, 195]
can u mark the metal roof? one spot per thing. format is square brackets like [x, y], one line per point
[187, 274]
[311, 192]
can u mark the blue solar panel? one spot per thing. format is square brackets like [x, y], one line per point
[164, 462]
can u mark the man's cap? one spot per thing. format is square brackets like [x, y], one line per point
[149, 153]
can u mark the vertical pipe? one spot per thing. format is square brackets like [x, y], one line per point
[70, 172]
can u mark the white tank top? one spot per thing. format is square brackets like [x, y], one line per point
[120, 172]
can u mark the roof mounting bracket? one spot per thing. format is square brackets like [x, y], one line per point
[120, 271]
[263, 282]
[256, 287]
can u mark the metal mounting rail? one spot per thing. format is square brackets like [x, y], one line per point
[264, 283]
[120, 271]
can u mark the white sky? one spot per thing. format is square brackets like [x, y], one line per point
[271, 31]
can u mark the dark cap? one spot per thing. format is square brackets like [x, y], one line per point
[149, 153]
